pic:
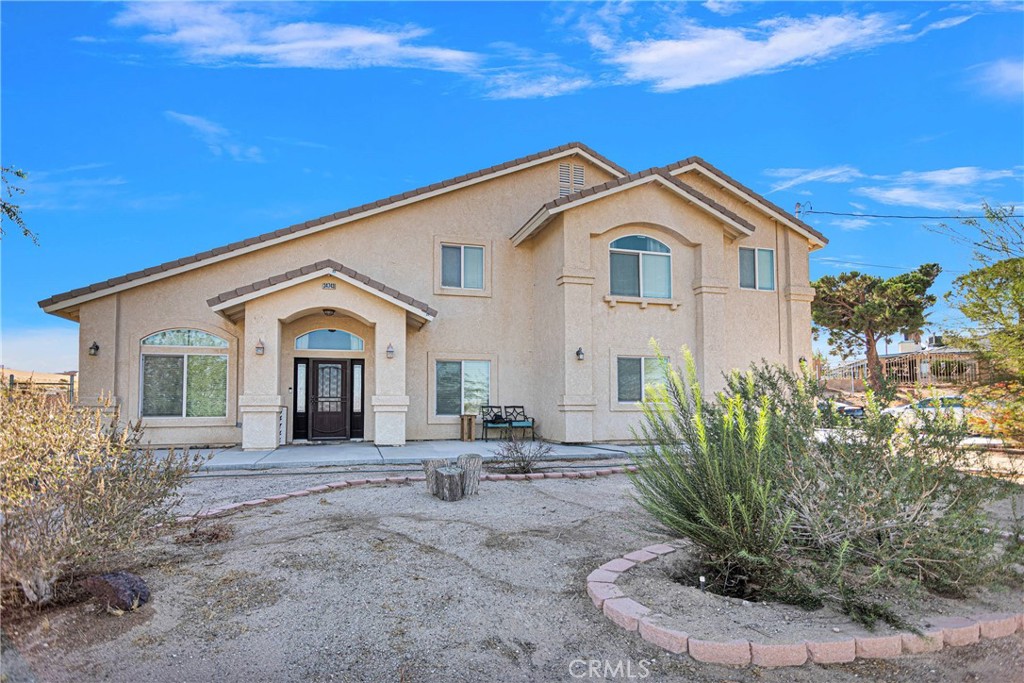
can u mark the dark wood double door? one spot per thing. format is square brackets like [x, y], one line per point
[328, 399]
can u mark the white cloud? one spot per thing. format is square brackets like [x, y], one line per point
[939, 199]
[800, 176]
[216, 137]
[851, 224]
[1002, 78]
[518, 85]
[701, 55]
[723, 7]
[960, 175]
[53, 349]
[219, 34]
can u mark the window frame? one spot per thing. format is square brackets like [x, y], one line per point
[461, 241]
[462, 266]
[352, 335]
[433, 357]
[643, 376]
[757, 270]
[640, 253]
[462, 384]
[184, 352]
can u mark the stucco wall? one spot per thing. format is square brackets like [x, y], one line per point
[541, 301]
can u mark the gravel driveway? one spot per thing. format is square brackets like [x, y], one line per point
[385, 583]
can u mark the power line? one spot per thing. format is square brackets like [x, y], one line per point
[844, 262]
[880, 215]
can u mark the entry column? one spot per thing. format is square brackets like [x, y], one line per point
[261, 406]
[390, 402]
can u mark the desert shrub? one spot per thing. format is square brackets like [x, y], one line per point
[780, 508]
[205, 532]
[997, 410]
[517, 456]
[75, 489]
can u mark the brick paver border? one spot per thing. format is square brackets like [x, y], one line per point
[632, 616]
[232, 508]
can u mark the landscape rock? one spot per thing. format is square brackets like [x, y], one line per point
[118, 590]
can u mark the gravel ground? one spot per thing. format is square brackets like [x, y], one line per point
[385, 583]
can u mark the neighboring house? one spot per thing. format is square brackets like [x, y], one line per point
[537, 282]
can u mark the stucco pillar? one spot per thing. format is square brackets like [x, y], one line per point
[577, 403]
[798, 302]
[390, 402]
[710, 354]
[261, 404]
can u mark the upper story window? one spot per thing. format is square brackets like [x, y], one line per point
[757, 269]
[641, 266]
[462, 266]
[328, 340]
[570, 179]
[189, 381]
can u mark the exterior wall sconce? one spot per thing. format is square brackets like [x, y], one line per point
[94, 349]
[260, 348]
[579, 354]
[328, 312]
[390, 351]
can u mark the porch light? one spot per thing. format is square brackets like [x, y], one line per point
[390, 351]
[94, 349]
[260, 347]
[328, 312]
[579, 353]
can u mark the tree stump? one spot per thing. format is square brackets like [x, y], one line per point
[448, 483]
[430, 469]
[471, 464]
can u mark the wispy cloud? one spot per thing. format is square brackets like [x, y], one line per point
[700, 55]
[724, 8]
[1003, 78]
[218, 139]
[295, 142]
[72, 188]
[261, 35]
[851, 224]
[530, 74]
[800, 176]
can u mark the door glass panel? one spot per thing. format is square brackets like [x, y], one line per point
[329, 389]
[300, 388]
[357, 388]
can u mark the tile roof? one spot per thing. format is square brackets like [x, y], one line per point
[722, 175]
[325, 264]
[301, 227]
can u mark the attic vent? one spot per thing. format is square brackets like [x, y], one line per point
[570, 179]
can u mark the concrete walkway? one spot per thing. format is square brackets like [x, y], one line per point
[351, 453]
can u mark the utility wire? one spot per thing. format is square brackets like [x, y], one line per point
[844, 262]
[879, 215]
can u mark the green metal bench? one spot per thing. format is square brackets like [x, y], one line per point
[491, 418]
[517, 419]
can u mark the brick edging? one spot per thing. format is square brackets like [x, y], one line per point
[232, 508]
[633, 616]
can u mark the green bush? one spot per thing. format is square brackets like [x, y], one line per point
[785, 503]
[75, 489]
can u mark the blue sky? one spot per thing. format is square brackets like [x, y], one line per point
[153, 131]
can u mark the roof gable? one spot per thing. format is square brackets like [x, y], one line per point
[652, 175]
[767, 207]
[74, 297]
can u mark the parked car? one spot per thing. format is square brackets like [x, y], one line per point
[908, 413]
[840, 408]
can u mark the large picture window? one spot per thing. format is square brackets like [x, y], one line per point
[640, 266]
[757, 269]
[462, 386]
[636, 373]
[462, 266]
[184, 374]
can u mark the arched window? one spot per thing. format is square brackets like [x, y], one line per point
[329, 340]
[184, 374]
[641, 266]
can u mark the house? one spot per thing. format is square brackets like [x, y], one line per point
[538, 282]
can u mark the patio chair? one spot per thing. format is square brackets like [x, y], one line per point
[491, 418]
[517, 419]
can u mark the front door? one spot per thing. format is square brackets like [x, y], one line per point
[329, 404]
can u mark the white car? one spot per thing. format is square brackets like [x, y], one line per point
[948, 404]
